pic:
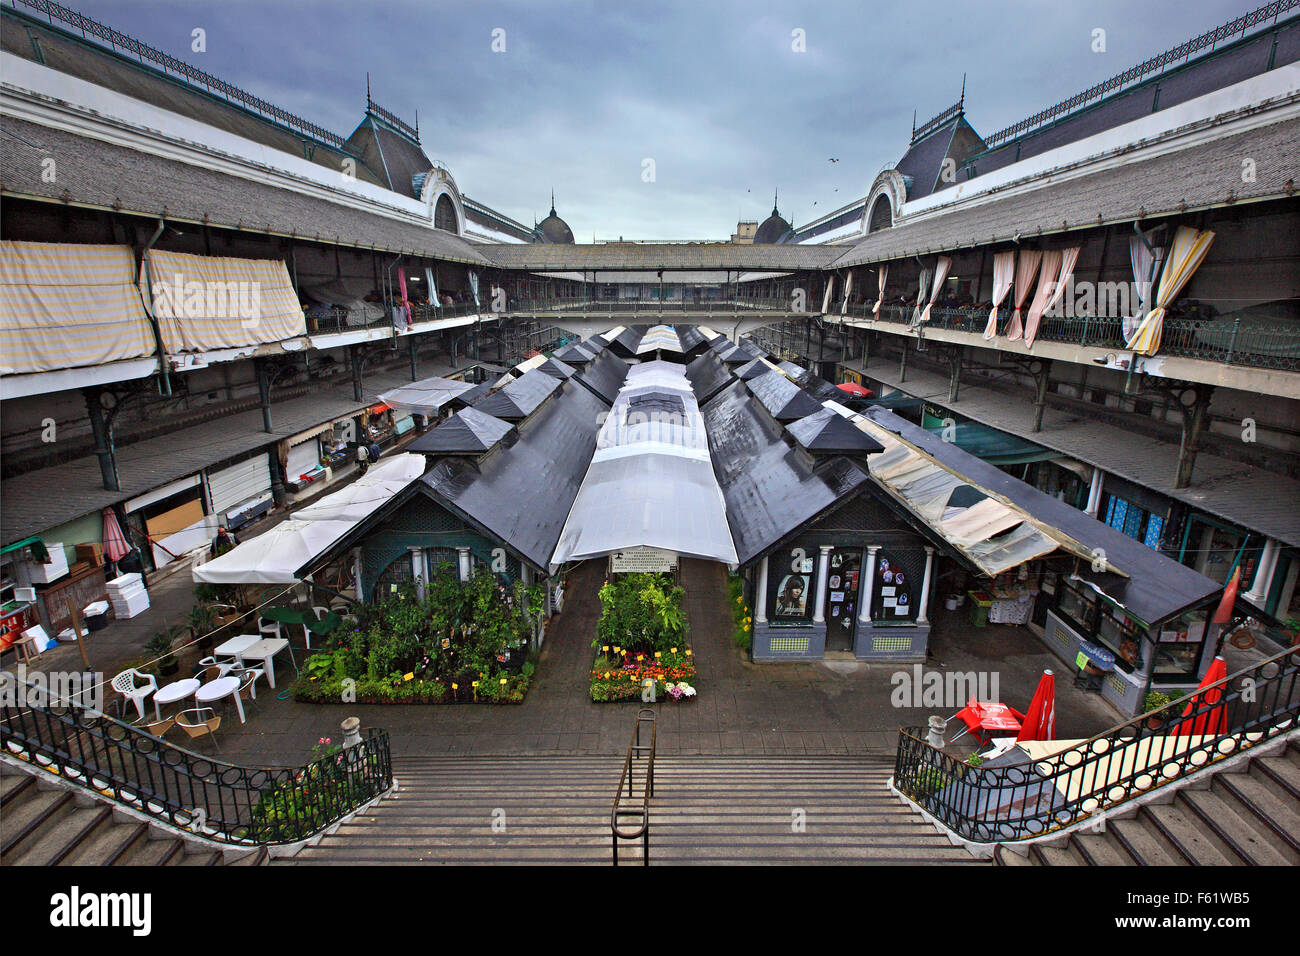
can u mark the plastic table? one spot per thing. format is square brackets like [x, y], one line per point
[220, 689]
[264, 651]
[173, 693]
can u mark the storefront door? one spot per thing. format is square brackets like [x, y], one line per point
[842, 598]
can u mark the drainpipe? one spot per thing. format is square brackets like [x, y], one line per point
[163, 366]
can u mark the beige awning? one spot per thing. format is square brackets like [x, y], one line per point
[69, 305]
[205, 302]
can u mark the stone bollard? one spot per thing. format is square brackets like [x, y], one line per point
[935, 736]
[351, 732]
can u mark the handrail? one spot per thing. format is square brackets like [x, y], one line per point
[220, 801]
[1027, 799]
[635, 749]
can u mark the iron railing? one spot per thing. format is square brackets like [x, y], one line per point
[223, 802]
[1032, 797]
[651, 307]
[638, 808]
[1257, 344]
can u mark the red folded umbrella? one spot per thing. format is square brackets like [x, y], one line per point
[1213, 721]
[1040, 718]
[115, 545]
[1224, 613]
[856, 390]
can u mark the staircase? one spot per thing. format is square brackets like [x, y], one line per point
[1249, 815]
[48, 825]
[709, 810]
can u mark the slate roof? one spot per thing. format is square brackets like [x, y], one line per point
[707, 376]
[520, 398]
[827, 432]
[468, 432]
[784, 400]
[771, 488]
[1194, 177]
[634, 256]
[557, 369]
[604, 376]
[107, 176]
[576, 353]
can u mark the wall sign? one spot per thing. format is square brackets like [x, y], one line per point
[643, 559]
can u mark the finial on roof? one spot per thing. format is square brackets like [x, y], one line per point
[367, 87]
[552, 200]
[775, 194]
[961, 103]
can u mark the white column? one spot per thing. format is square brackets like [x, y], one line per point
[1094, 492]
[924, 616]
[868, 585]
[760, 593]
[1258, 592]
[823, 566]
[356, 574]
[462, 555]
[417, 572]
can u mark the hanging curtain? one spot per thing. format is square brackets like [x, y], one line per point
[433, 286]
[1051, 267]
[402, 310]
[848, 287]
[473, 286]
[1004, 270]
[941, 268]
[881, 274]
[1026, 271]
[1185, 257]
[923, 284]
[826, 297]
[1146, 267]
[115, 545]
[1056, 289]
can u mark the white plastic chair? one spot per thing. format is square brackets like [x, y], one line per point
[125, 684]
[269, 628]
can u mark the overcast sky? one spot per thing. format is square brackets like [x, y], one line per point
[713, 92]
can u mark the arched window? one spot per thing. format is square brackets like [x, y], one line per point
[882, 215]
[444, 214]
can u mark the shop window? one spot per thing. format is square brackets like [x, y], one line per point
[1078, 606]
[792, 576]
[1178, 648]
[895, 598]
[1123, 637]
[394, 578]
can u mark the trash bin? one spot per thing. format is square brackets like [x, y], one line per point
[979, 608]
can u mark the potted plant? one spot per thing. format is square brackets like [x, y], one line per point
[1154, 701]
[160, 648]
[202, 623]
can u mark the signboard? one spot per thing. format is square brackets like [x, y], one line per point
[643, 559]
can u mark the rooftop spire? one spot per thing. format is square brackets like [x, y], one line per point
[552, 200]
[775, 193]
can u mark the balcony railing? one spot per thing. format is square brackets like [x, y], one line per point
[1230, 341]
[649, 307]
[219, 801]
[1020, 801]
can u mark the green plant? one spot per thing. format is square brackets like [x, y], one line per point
[974, 760]
[743, 635]
[160, 646]
[640, 611]
[1154, 700]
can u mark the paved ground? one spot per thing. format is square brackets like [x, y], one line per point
[820, 708]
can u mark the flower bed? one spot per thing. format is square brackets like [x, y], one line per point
[641, 649]
[743, 635]
[464, 643]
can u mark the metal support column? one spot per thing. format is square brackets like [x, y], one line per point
[1193, 425]
[1042, 377]
[264, 395]
[355, 356]
[103, 436]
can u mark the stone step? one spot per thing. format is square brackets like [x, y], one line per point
[1234, 824]
[1099, 849]
[1183, 831]
[1143, 844]
[1272, 808]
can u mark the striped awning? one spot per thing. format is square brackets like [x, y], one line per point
[206, 302]
[67, 305]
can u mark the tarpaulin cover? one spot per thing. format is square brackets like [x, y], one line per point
[604, 376]
[425, 397]
[520, 398]
[279, 555]
[815, 385]
[557, 369]
[784, 400]
[206, 302]
[771, 487]
[65, 305]
[577, 353]
[708, 376]
[1150, 586]
[825, 432]
[651, 481]
[468, 432]
[659, 337]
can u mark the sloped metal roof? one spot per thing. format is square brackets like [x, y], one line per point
[604, 376]
[708, 376]
[519, 398]
[825, 432]
[468, 432]
[784, 400]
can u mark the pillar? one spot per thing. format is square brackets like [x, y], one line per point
[1094, 492]
[760, 593]
[462, 556]
[867, 584]
[1258, 592]
[823, 568]
[264, 395]
[923, 617]
[417, 572]
[355, 357]
[103, 437]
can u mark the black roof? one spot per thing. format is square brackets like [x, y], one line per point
[523, 493]
[576, 353]
[783, 399]
[771, 487]
[520, 398]
[826, 432]
[557, 369]
[817, 386]
[752, 370]
[468, 432]
[604, 376]
[1157, 587]
[692, 339]
[707, 376]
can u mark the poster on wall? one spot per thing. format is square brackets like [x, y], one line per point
[893, 597]
[792, 578]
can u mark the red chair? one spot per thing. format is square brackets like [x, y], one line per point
[984, 721]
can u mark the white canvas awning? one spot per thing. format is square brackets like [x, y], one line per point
[425, 397]
[277, 556]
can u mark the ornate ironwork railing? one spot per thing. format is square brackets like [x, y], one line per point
[1269, 11]
[638, 808]
[169, 64]
[1033, 797]
[1230, 341]
[650, 307]
[224, 802]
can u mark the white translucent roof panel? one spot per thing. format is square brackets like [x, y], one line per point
[426, 396]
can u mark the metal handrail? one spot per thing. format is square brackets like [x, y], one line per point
[1028, 800]
[220, 801]
[634, 750]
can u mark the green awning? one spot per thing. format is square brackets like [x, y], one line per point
[39, 551]
[995, 447]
